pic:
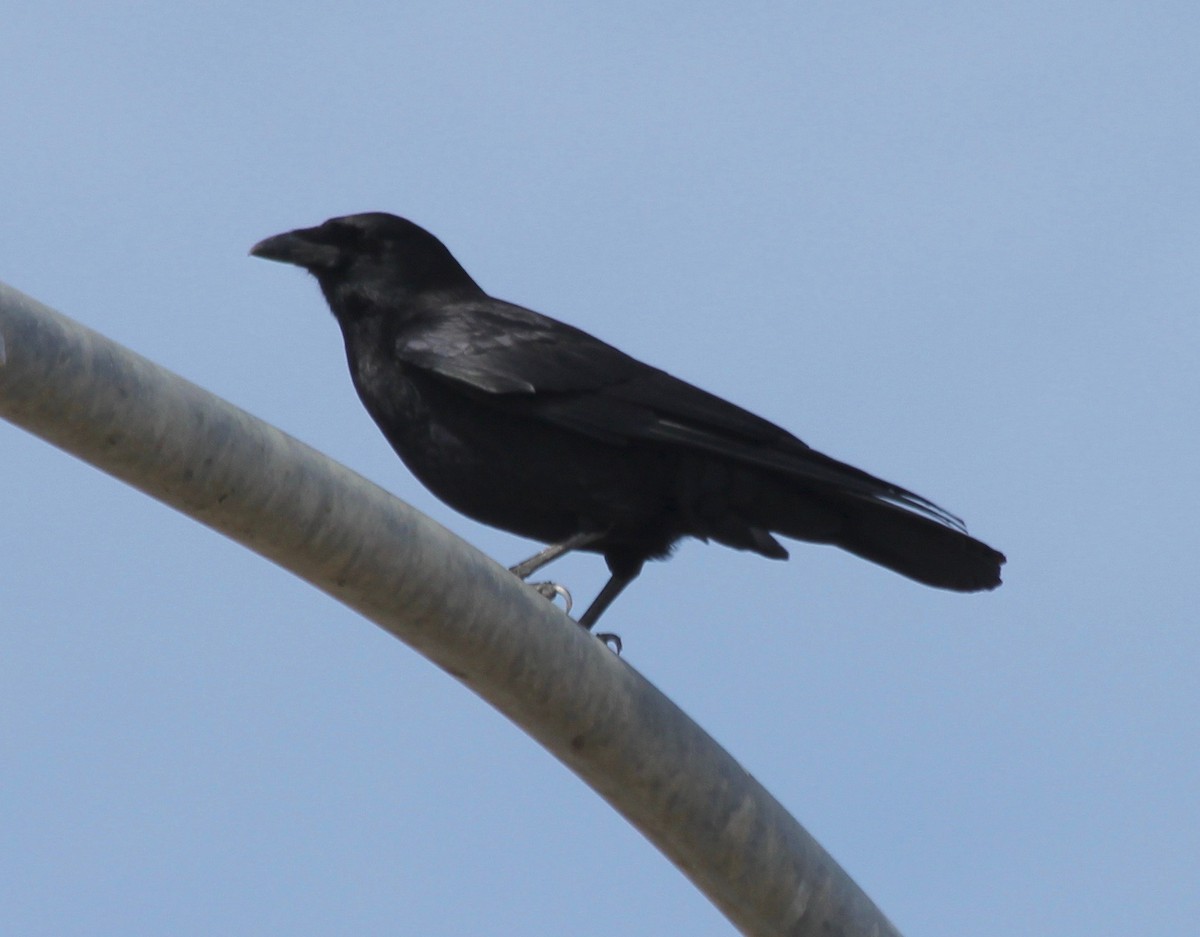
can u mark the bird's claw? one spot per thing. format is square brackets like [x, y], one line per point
[550, 590]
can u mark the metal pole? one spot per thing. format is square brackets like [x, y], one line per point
[591, 710]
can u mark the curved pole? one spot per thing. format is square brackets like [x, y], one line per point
[591, 710]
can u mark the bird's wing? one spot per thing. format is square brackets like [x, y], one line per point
[527, 363]
[499, 348]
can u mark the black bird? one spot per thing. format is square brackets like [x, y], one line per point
[533, 426]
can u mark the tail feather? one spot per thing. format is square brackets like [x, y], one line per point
[920, 546]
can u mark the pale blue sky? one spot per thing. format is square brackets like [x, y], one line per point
[958, 246]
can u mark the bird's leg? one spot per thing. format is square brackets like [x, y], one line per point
[527, 568]
[548, 590]
[611, 590]
[623, 573]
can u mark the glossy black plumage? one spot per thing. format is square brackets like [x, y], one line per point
[531, 425]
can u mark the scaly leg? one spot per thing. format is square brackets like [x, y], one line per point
[530, 566]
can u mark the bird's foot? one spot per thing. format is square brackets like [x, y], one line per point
[551, 590]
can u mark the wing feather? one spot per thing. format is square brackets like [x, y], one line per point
[531, 364]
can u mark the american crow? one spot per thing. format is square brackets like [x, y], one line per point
[533, 426]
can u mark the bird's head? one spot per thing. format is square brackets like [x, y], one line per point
[373, 251]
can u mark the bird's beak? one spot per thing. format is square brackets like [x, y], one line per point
[303, 247]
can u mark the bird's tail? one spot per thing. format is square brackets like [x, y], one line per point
[908, 535]
[918, 547]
